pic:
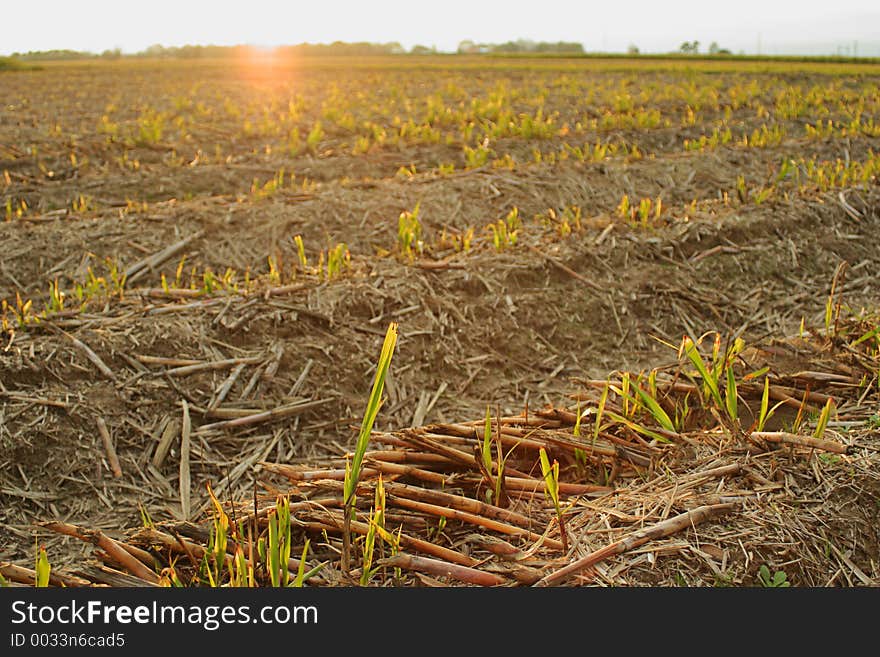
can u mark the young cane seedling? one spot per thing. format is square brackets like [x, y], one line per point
[338, 258]
[353, 468]
[600, 410]
[632, 403]
[824, 416]
[710, 380]
[42, 568]
[580, 455]
[215, 557]
[730, 396]
[276, 553]
[766, 412]
[486, 449]
[638, 428]
[316, 134]
[376, 527]
[302, 575]
[496, 494]
[409, 233]
[506, 231]
[551, 488]
[301, 252]
[241, 571]
[719, 368]
[477, 157]
[832, 306]
[623, 209]
[56, 298]
[660, 416]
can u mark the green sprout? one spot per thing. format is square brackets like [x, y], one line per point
[778, 580]
[824, 416]
[42, 568]
[301, 251]
[353, 468]
[409, 233]
[376, 527]
[551, 488]
[278, 550]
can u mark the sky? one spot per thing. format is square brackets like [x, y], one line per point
[750, 26]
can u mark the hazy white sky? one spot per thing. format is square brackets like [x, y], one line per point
[653, 25]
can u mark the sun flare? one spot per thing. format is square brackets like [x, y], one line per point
[265, 63]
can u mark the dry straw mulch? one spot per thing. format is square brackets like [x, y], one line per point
[718, 504]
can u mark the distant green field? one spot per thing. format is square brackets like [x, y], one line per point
[611, 62]
[8, 63]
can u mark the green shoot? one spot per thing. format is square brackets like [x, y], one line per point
[377, 521]
[337, 259]
[764, 414]
[638, 428]
[43, 569]
[832, 308]
[730, 396]
[301, 251]
[623, 209]
[656, 410]
[599, 411]
[579, 454]
[505, 232]
[500, 498]
[766, 411]
[682, 411]
[477, 157]
[551, 487]
[822, 422]
[754, 375]
[778, 580]
[875, 332]
[218, 537]
[409, 233]
[799, 418]
[172, 578]
[301, 574]
[56, 297]
[368, 548]
[710, 382]
[353, 468]
[278, 549]
[829, 310]
[486, 451]
[241, 573]
[496, 494]
[146, 520]
[316, 134]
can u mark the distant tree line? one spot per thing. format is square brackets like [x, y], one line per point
[318, 49]
[361, 49]
[45, 55]
[340, 48]
[521, 46]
